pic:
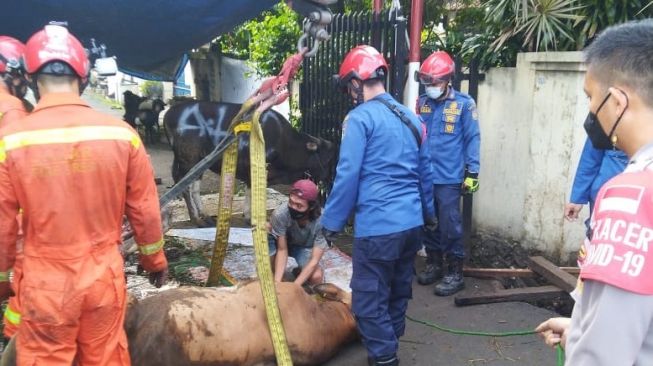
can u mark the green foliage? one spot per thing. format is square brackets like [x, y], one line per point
[563, 25]
[540, 24]
[266, 41]
[295, 114]
[494, 31]
[152, 89]
[599, 14]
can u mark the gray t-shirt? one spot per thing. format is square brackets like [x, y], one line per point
[307, 236]
[610, 327]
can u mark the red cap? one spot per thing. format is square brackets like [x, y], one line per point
[305, 189]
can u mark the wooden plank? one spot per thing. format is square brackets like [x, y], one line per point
[513, 294]
[509, 272]
[497, 272]
[552, 273]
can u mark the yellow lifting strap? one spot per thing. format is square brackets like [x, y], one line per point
[259, 191]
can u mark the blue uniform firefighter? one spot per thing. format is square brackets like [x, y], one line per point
[454, 141]
[384, 176]
[595, 167]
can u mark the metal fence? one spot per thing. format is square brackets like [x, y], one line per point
[322, 105]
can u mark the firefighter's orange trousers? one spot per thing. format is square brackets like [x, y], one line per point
[73, 308]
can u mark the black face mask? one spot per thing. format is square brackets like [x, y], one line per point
[598, 137]
[297, 215]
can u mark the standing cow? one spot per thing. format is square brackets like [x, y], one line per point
[131, 102]
[195, 128]
[148, 115]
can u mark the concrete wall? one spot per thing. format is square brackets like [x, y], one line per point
[225, 79]
[239, 81]
[531, 129]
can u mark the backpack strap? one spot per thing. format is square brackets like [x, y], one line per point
[402, 116]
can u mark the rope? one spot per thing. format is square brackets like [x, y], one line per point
[559, 351]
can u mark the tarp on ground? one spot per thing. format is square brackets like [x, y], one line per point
[148, 37]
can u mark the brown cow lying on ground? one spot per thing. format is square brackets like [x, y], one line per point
[228, 326]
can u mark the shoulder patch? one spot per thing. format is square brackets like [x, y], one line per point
[472, 108]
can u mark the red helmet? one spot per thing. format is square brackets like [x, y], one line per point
[55, 43]
[305, 189]
[363, 63]
[437, 67]
[11, 52]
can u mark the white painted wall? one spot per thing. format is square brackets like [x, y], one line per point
[531, 137]
[238, 81]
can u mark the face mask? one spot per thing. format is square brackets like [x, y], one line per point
[600, 140]
[297, 215]
[434, 92]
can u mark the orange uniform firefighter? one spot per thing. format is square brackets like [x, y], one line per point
[12, 87]
[74, 172]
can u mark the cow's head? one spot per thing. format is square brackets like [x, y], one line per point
[331, 292]
[158, 105]
[321, 156]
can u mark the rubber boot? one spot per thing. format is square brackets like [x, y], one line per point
[453, 281]
[433, 269]
[383, 361]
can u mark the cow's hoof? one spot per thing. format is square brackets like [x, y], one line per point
[205, 221]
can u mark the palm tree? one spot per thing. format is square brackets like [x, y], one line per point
[541, 24]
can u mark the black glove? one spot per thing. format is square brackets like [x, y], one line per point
[430, 223]
[159, 279]
[329, 235]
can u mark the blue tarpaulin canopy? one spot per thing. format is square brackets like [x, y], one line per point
[148, 37]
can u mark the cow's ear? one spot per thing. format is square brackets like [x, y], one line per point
[311, 146]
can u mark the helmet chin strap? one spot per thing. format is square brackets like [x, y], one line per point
[445, 93]
[16, 90]
[358, 92]
[34, 85]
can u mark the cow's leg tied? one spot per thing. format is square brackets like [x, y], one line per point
[194, 204]
[247, 205]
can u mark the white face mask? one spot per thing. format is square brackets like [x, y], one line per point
[434, 92]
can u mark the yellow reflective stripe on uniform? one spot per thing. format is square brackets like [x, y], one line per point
[3, 152]
[68, 135]
[4, 276]
[12, 316]
[147, 249]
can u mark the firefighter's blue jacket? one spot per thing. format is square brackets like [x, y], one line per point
[381, 173]
[453, 134]
[595, 167]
